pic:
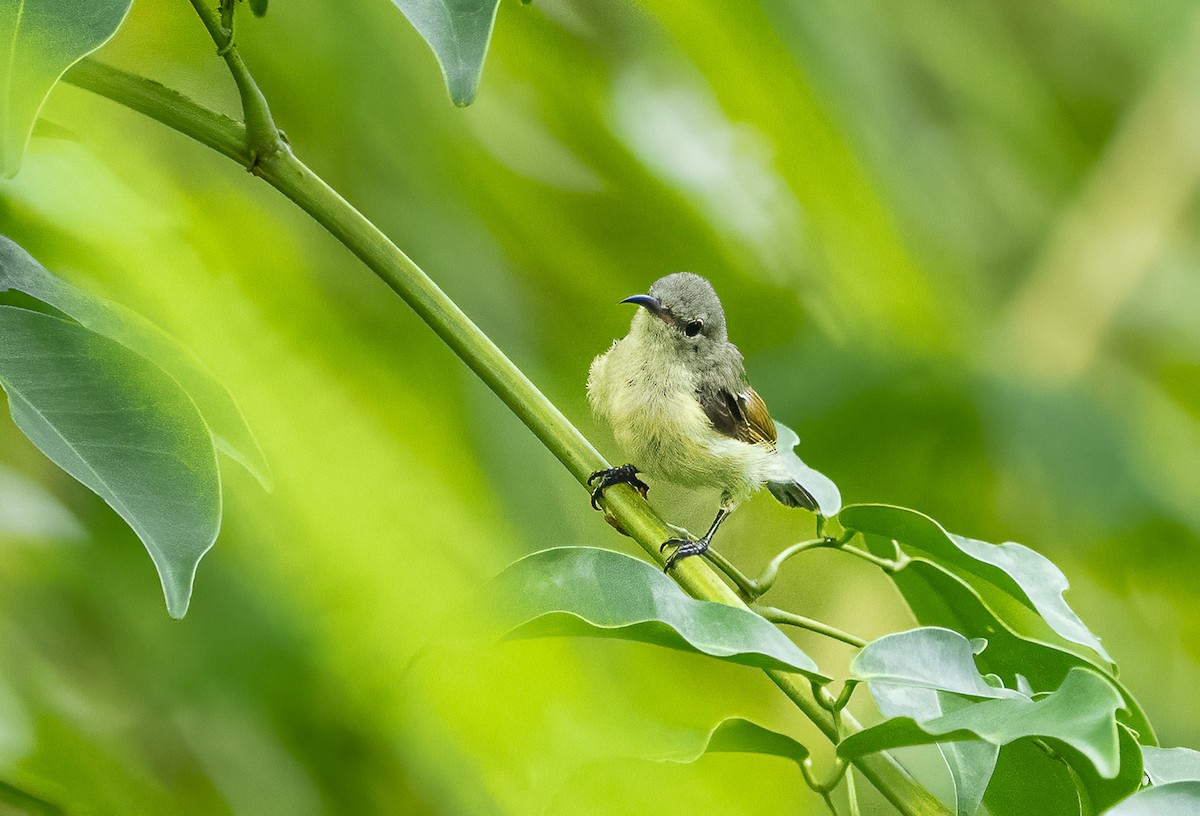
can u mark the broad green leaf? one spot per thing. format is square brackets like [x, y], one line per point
[736, 735]
[21, 272]
[1172, 799]
[1027, 576]
[929, 658]
[41, 39]
[938, 597]
[590, 592]
[259, 7]
[123, 427]
[1165, 765]
[458, 31]
[1081, 714]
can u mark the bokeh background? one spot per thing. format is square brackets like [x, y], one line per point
[958, 245]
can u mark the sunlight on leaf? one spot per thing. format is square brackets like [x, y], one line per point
[41, 39]
[123, 427]
[591, 592]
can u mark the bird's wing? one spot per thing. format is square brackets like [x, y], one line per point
[740, 415]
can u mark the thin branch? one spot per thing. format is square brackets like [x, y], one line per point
[786, 618]
[282, 170]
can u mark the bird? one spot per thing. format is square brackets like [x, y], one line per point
[675, 393]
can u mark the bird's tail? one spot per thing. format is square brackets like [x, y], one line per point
[793, 494]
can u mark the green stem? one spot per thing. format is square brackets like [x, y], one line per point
[771, 572]
[799, 621]
[281, 169]
[747, 587]
[262, 135]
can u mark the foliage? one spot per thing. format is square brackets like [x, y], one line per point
[384, 491]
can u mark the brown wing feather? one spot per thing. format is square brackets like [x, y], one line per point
[742, 416]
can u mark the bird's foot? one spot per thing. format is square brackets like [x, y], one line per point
[684, 548]
[604, 479]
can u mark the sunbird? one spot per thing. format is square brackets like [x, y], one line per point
[675, 392]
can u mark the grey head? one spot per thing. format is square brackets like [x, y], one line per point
[688, 310]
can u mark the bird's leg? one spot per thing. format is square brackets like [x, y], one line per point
[685, 547]
[604, 479]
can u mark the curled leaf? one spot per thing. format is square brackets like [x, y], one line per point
[1029, 577]
[736, 735]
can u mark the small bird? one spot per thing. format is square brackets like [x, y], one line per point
[675, 392]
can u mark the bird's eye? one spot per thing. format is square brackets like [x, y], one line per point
[693, 328]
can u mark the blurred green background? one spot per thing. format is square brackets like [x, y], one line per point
[958, 246]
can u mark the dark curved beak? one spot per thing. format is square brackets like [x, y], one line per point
[650, 303]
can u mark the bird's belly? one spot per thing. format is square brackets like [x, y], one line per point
[666, 433]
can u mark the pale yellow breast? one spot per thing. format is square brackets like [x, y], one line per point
[662, 429]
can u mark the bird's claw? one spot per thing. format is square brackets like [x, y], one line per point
[684, 548]
[604, 479]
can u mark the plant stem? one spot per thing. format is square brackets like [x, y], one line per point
[771, 571]
[282, 170]
[262, 135]
[747, 587]
[799, 621]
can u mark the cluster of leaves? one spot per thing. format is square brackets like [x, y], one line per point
[1002, 676]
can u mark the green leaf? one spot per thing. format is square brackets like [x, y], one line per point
[1104, 791]
[19, 271]
[590, 592]
[820, 486]
[123, 427]
[1027, 576]
[1165, 765]
[259, 7]
[41, 39]
[1081, 714]
[938, 597]
[1172, 799]
[930, 658]
[1027, 781]
[736, 735]
[909, 674]
[458, 31]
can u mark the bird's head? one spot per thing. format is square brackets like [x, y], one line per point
[683, 310]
